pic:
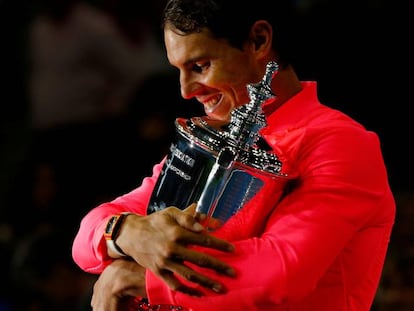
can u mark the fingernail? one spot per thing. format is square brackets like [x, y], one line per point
[217, 288]
[230, 272]
[198, 227]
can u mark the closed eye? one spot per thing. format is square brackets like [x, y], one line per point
[200, 67]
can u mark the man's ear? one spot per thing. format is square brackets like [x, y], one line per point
[261, 34]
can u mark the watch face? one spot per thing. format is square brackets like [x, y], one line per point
[110, 225]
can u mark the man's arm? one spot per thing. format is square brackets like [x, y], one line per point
[158, 242]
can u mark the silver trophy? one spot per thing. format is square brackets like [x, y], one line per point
[221, 167]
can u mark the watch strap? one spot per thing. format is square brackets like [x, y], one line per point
[110, 244]
[112, 230]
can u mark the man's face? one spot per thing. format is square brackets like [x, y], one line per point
[212, 71]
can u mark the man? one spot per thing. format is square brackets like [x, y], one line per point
[320, 246]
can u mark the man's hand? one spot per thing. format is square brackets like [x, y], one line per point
[118, 285]
[161, 242]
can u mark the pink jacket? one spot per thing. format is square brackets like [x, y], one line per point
[320, 247]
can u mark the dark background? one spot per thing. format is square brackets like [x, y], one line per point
[357, 50]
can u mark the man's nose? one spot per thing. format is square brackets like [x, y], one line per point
[188, 86]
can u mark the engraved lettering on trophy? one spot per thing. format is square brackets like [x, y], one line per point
[170, 166]
[182, 156]
[180, 172]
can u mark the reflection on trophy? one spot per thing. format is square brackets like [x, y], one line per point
[221, 167]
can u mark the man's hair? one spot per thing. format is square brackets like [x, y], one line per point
[232, 20]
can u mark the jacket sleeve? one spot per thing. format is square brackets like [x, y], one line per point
[339, 195]
[89, 248]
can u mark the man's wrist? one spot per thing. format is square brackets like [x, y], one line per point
[112, 230]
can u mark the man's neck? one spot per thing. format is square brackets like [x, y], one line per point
[285, 85]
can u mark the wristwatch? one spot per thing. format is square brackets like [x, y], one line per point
[112, 229]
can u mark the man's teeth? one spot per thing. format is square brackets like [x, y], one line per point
[211, 106]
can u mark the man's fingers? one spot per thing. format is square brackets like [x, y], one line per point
[202, 260]
[191, 209]
[175, 268]
[187, 218]
[195, 277]
[206, 240]
[172, 282]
